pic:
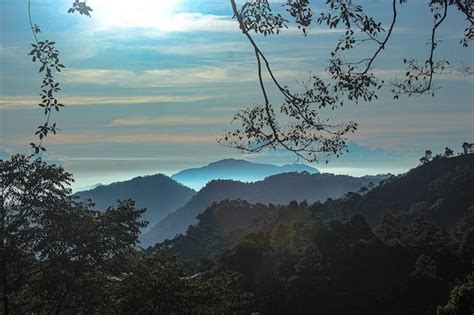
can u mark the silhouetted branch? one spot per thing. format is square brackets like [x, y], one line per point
[305, 134]
[45, 53]
[420, 77]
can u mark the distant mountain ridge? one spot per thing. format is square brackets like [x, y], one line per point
[235, 169]
[87, 187]
[439, 190]
[276, 189]
[158, 193]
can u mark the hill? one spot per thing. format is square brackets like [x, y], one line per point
[233, 169]
[158, 193]
[276, 189]
[441, 190]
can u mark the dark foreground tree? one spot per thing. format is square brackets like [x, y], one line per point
[160, 284]
[461, 300]
[57, 254]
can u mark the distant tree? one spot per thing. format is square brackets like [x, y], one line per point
[464, 233]
[467, 147]
[425, 159]
[448, 152]
[363, 190]
[425, 267]
[391, 230]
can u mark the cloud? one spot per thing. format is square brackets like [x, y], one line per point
[199, 48]
[15, 102]
[223, 72]
[85, 138]
[157, 20]
[153, 77]
[9, 51]
[168, 121]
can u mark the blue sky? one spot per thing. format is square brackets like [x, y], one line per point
[150, 85]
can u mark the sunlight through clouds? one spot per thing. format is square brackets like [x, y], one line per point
[162, 16]
[135, 13]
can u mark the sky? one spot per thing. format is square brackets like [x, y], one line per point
[150, 85]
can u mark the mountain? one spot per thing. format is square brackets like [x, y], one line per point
[86, 188]
[221, 226]
[158, 193]
[440, 191]
[239, 170]
[276, 189]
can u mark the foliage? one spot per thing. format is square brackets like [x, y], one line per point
[58, 254]
[81, 7]
[346, 268]
[160, 284]
[297, 124]
[45, 53]
[461, 300]
[326, 258]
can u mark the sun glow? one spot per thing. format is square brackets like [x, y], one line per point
[156, 14]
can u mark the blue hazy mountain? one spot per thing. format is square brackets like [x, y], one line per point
[158, 193]
[276, 189]
[238, 170]
[87, 187]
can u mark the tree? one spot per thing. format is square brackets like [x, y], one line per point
[460, 299]
[467, 147]
[160, 284]
[425, 159]
[57, 254]
[448, 152]
[297, 124]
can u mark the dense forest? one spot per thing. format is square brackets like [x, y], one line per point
[403, 247]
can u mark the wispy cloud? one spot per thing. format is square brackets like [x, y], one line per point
[15, 102]
[153, 77]
[9, 51]
[168, 121]
[85, 138]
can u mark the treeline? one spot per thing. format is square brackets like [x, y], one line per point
[412, 256]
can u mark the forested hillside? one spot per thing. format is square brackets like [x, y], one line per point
[244, 258]
[274, 189]
[325, 258]
[158, 194]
